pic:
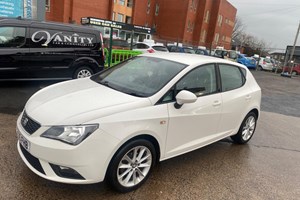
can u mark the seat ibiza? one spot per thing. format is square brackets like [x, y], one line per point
[117, 124]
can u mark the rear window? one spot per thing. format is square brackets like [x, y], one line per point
[160, 48]
[140, 46]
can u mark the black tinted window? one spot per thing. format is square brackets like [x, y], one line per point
[12, 36]
[231, 77]
[141, 46]
[160, 48]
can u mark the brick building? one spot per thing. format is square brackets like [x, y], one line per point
[192, 22]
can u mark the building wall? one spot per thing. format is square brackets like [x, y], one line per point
[143, 12]
[183, 21]
[71, 11]
[171, 19]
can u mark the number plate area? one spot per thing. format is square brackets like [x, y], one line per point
[23, 141]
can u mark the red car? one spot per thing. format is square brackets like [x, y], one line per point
[296, 70]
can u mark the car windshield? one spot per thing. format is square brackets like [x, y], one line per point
[139, 76]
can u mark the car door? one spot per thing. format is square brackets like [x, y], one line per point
[51, 51]
[235, 97]
[13, 50]
[194, 124]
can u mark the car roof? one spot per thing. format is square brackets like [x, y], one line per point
[189, 59]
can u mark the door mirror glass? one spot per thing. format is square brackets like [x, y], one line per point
[183, 97]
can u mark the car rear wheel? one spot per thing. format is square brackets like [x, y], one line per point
[260, 68]
[246, 130]
[294, 73]
[83, 72]
[131, 166]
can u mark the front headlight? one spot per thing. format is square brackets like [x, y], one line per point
[70, 134]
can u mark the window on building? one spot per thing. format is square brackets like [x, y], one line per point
[207, 16]
[203, 36]
[128, 20]
[120, 17]
[217, 37]
[223, 38]
[188, 26]
[47, 4]
[113, 16]
[12, 36]
[156, 9]
[130, 3]
[220, 19]
[122, 2]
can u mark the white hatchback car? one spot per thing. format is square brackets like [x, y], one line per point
[118, 123]
[149, 47]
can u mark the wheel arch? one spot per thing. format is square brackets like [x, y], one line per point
[147, 137]
[90, 61]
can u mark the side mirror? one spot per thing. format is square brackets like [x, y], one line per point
[183, 97]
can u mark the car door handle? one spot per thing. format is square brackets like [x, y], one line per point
[248, 97]
[217, 103]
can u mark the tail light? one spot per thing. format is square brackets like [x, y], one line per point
[264, 62]
[102, 46]
[150, 50]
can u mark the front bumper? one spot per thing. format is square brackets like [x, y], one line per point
[88, 160]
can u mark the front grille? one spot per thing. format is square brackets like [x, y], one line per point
[34, 162]
[29, 124]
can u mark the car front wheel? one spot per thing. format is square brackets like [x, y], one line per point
[131, 166]
[246, 130]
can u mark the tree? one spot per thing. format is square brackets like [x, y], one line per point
[238, 29]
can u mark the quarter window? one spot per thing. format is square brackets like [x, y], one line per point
[231, 77]
[12, 36]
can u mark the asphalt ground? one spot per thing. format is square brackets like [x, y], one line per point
[268, 167]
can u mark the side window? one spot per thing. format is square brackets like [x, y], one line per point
[200, 81]
[12, 36]
[231, 77]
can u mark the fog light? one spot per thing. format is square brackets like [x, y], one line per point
[66, 172]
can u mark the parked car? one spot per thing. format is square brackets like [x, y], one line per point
[226, 54]
[40, 50]
[265, 64]
[201, 52]
[247, 61]
[149, 47]
[117, 44]
[117, 124]
[179, 49]
[296, 70]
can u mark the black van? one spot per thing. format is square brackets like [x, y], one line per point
[42, 50]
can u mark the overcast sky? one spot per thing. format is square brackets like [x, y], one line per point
[275, 21]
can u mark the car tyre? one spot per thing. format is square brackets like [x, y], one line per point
[131, 165]
[246, 130]
[260, 68]
[294, 73]
[83, 71]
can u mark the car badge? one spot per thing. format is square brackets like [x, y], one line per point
[25, 121]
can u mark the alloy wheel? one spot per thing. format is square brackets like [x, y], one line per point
[248, 128]
[134, 166]
[84, 73]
